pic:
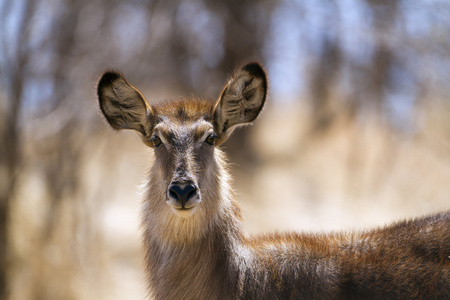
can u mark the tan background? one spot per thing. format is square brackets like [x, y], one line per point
[356, 133]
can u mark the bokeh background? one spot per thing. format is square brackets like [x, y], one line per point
[356, 132]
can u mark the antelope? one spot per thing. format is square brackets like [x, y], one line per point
[193, 240]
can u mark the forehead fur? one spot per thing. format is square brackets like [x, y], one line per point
[185, 110]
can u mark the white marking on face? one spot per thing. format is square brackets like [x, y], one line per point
[161, 131]
[184, 213]
[208, 129]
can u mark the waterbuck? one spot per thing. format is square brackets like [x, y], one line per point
[194, 244]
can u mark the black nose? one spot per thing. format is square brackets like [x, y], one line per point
[182, 192]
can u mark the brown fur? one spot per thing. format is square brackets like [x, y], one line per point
[207, 255]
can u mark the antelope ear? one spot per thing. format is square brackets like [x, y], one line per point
[122, 105]
[241, 101]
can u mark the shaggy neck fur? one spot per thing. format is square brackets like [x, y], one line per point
[185, 255]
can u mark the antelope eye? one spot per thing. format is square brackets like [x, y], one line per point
[156, 141]
[211, 139]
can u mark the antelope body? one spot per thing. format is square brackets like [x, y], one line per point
[194, 244]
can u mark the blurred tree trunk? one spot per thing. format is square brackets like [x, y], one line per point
[61, 159]
[384, 15]
[12, 72]
[10, 160]
[323, 81]
[376, 80]
[246, 28]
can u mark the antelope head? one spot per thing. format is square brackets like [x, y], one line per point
[184, 134]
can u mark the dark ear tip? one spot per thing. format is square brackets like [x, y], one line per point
[255, 69]
[109, 77]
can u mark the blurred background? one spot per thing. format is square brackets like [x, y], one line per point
[356, 132]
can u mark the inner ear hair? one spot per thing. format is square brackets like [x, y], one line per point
[123, 105]
[242, 98]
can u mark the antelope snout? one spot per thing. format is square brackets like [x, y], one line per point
[182, 193]
[183, 198]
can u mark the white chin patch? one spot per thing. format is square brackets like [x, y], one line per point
[184, 213]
